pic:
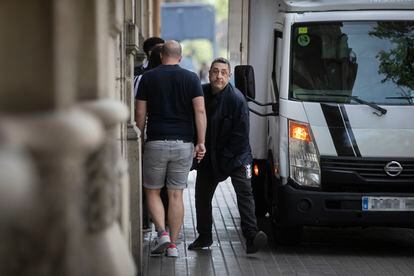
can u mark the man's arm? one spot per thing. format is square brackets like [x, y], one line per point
[141, 115]
[201, 124]
[239, 135]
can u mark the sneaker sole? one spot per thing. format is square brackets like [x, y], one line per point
[199, 247]
[172, 256]
[160, 248]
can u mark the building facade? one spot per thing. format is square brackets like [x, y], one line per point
[70, 179]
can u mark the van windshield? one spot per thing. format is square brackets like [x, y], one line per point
[372, 61]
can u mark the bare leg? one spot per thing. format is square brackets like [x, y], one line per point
[156, 208]
[175, 213]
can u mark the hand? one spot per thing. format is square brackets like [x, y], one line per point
[200, 151]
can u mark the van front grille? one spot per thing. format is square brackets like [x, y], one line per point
[366, 173]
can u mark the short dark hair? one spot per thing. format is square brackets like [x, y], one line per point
[221, 60]
[149, 43]
[155, 57]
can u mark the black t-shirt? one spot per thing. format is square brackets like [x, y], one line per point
[169, 91]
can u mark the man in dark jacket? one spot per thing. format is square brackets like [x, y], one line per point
[228, 154]
[147, 46]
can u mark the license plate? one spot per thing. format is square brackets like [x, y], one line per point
[372, 203]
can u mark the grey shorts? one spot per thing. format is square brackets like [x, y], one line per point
[167, 162]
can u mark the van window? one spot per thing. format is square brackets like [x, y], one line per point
[277, 58]
[373, 61]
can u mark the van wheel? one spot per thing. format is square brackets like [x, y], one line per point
[287, 235]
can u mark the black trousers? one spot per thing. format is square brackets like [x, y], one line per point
[205, 188]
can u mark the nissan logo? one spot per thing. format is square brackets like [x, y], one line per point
[393, 168]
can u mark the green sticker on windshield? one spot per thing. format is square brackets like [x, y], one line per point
[303, 30]
[303, 40]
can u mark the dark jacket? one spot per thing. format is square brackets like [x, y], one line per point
[139, 70]
[227, 137]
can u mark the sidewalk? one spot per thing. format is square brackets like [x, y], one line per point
[227, 255]
[324, 251]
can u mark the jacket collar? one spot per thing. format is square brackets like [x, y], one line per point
[210, 94]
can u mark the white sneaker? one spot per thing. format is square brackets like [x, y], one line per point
[172, 251]
[161, 243]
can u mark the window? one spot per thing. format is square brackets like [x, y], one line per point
[277, 58]
[373, 61]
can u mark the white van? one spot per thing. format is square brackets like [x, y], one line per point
[335, 144]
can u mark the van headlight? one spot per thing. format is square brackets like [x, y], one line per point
[303, 155]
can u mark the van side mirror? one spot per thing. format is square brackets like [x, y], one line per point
[244, 80]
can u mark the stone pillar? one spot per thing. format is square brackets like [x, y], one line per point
[135, 173]
[46, 239]
[120, 85]
[142, 22]
[104, 241]
[66, 220]
[238, 31]
[133, 137]
[156, 18]
[145, 23]
[38, 55]
[18, 184]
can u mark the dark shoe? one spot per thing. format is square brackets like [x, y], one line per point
[256, 243]
[201, 242]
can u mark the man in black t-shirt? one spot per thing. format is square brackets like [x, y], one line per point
[173, 100]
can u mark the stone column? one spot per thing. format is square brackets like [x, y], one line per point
[145, 23]
[56, 53]
[133, 137]
[135, 173]
[104, 241]
[238, 31]
[156, 17]
[46, 239]
[18, 184]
